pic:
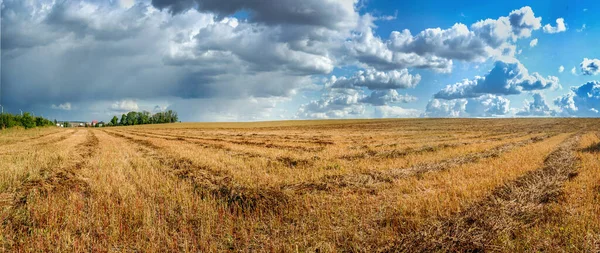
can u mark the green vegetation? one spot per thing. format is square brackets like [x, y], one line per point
[143, 118]
[27, 121]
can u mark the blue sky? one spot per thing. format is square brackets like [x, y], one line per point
[243, 61]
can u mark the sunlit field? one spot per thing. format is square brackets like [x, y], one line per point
[418, 185]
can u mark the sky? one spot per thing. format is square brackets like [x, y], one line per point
[254, 60]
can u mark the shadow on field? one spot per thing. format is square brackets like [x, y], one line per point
[594, 148]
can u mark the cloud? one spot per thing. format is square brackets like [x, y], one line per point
[344, 103]
[583, 100]
[561, 69]
[65, 106]
[333, 14]
[384, 97]
[560, 26]
[436, 48]
[537, 107]
[590, 66]
[533, 43]
[193, 55]
[574, 71]
[484, 106]
[126, 105]
[503, 79]
[387, 111]
[376, 80]
[581, 29]
[336, 104]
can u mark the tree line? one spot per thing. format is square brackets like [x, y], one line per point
[142, 118]
[26, 120]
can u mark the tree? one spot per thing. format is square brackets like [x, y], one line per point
[131, 118]
[114, 121]
[27, 121]
[123, 120]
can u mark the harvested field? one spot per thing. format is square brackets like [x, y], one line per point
[419, 185]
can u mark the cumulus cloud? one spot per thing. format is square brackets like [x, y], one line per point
[583, 100]
[590, 66]
[533, 43]
[376, 80]
[435, 48]
[503, 79]
[384, 97]
[65, 106]
[483, 106]
[339, 104]
[126, 105]
[561, 69]
[387, 111]
[344, 103]
[537, 107]
[560, 26]
[574, 71]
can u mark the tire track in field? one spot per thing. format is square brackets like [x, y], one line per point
[517, 204]
[52, 180]
[210, 182]
[366, 182]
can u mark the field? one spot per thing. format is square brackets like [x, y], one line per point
[423, 185]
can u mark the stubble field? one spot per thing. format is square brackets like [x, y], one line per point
[422, 185]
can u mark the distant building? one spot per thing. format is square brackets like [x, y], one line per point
[94, 122]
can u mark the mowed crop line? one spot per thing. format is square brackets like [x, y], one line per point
[138, 207]
[368, 181]
[243, 151]
[237, 136]
[217, 141]
[576, 214]
[25, 140]
[412, 150]
[57, 179]
[510, 207]
[215, 183]
[36, 143]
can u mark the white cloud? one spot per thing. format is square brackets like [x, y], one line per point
[375, 80]
[337, 104]
[65, 106]
[574, 71]
[503, 79]
[533, 43]
[583, 101]
[126, 3]
[537, 107]
[484, 106]
[126, 105]
[387, 111]
[560, 26]
[384, 97]
[590, 66]
[436, 48]
[582, 28]
[561, 69]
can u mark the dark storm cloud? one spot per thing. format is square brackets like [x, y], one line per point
[326, 13]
